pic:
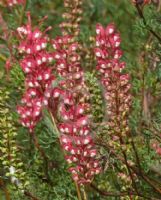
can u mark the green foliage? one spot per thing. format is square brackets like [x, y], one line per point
[10, 159]
[95, 97]
[48, 178]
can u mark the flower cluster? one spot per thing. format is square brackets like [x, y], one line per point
[76, 138]
[116, 90]
[11, 3]
[77, 141]
[72, 17]
[116, 84]
[66, 49]
[39, 77]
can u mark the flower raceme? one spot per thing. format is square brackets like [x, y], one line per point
[11, 3]
[67, 97]
[116, 88]
[76, 138]
[116, 84]
[72, 17]
[61, 55]
[39, 77]
[77, 141]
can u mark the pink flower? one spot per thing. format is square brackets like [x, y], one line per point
[36, 65]
[66, 100]
[116, 84]
[11, 3]
[76, 138]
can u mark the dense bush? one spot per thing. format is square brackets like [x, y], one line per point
[80, 99]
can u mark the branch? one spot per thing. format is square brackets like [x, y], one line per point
[117, 194]
[78, 191]
[141, 174]
[145, 23]
[6, 192]
[22, 13]
[28, 194]
[128, 167]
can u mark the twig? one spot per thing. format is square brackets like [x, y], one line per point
[84, 194]
[7, 194]
[117, 194]
[134, 168]
[54, 123]
[145, 23]
[22, 13]
[78, 191]
[127, 165]
[28, 194]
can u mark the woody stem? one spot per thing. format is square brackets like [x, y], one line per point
[78, 191]
[54, 123]
[84, 194]
[23, 12]
[7, 195]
